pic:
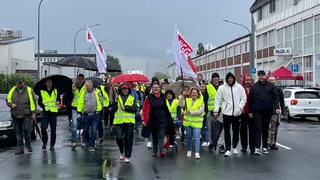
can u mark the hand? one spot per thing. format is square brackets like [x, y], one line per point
[74, 87]
[143, 123]
[123, 108]
[278, 111]
[250, 115]
[188, 111]
[13, 106]
[78, 116]
[215, 114]
[116, 97]
[109, 109]
[33, 117]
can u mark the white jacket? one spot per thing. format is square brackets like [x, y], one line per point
[232, 99]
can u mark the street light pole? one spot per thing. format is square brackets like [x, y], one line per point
[75, 36]
[38, 53]
[252, 62]
[89, 50]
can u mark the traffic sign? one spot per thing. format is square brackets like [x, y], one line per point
[295, 68]
[253, 70]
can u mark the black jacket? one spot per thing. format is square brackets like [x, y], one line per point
[263, 97]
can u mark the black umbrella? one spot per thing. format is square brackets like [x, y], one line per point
[95, 80]
[61, 82]
[78, 61]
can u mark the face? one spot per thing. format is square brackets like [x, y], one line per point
[248, 81]
[186, 91]
[169, 96]
[230, 80]
[203, 87]
[80, 79]
[272, 80]
[262, 78]
[215, 81]
[21, 84]
[155, 89]
[125, 91]
[89, 87]
[194, 94]
[199, 77]
[48, 83]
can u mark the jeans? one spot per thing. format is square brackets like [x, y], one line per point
[22, 127]
[74, 126]
[261, 121]
[195, 133]
[100, 126]
[90, 122]
[47, 119]
[204, 130]
[158, 139]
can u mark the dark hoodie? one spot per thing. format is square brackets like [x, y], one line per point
[153, 81]
[246, 107]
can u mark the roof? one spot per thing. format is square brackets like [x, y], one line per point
[285, 74]
[258, 4]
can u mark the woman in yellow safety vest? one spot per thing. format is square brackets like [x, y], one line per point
[175, 111]
[124, 121]
[193, 118]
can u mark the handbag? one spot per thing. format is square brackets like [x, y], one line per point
[145, 132]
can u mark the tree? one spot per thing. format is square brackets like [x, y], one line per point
[8, 81]
[116, 61]
[160, 75]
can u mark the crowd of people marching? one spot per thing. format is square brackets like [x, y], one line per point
[202, 115]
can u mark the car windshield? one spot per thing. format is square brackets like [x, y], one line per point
[307, 95]
[3, 104]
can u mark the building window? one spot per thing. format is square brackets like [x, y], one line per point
[297, 38]
[280, 38]
[288, 36]
[308, 36]
[259, 14]
[317, 34]
[307, 66]
[272, 38]
[295, 2]
[272, 6]
[237, 49]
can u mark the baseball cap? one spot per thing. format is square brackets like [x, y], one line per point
[124, 86]
[20, 79]
[261, 72]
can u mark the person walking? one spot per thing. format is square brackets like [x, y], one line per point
[109, 93]
[77, 89]
[175, 111]
[193, 119]
[246, 124]
[124, 121]
[22, 103]
[89, 107]
[275, 118]
[215, 125]
[156, 115]
[49, 102]
[204, 130]
[232, 98]
[263, 100]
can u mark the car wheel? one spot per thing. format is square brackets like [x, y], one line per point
[287, 116]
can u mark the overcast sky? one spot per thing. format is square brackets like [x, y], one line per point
[139, 32]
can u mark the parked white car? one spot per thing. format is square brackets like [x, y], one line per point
[301, 102]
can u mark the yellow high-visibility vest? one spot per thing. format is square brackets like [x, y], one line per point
[105, 96]
[212, 94]
[76, 95]
[81, 101]
[49, 102]
[194, 121]
[173, 107]
[123, 116]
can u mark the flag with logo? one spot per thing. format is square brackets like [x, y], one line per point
[100, 53]
[182, 49]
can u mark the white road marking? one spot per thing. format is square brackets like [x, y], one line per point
[283, 146]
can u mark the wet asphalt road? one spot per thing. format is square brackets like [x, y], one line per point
[297, 158]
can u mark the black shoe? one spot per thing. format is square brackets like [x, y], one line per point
[51, 148]
[29, 148]
[273, 147]
[243, 150]
[44, 146]
[210, 147]
[222, 149]
[19, 151]
[251, 151]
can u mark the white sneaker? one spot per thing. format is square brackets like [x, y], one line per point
[197, 155]
[204, 144]
[189, 154]
[208, 144]
[126, 160]
[265, 151]
[227, 154]
[149, 145]
[235, 151]
[121, 157]
[257, 151]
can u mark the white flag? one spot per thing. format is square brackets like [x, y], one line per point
[181, 50]
[100, 53]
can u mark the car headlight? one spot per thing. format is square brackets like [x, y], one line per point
[4, 124]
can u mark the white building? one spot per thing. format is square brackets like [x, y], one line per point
[291, 26]
[16, 53]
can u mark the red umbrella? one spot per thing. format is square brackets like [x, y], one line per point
[140, 78]
[123, 78]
